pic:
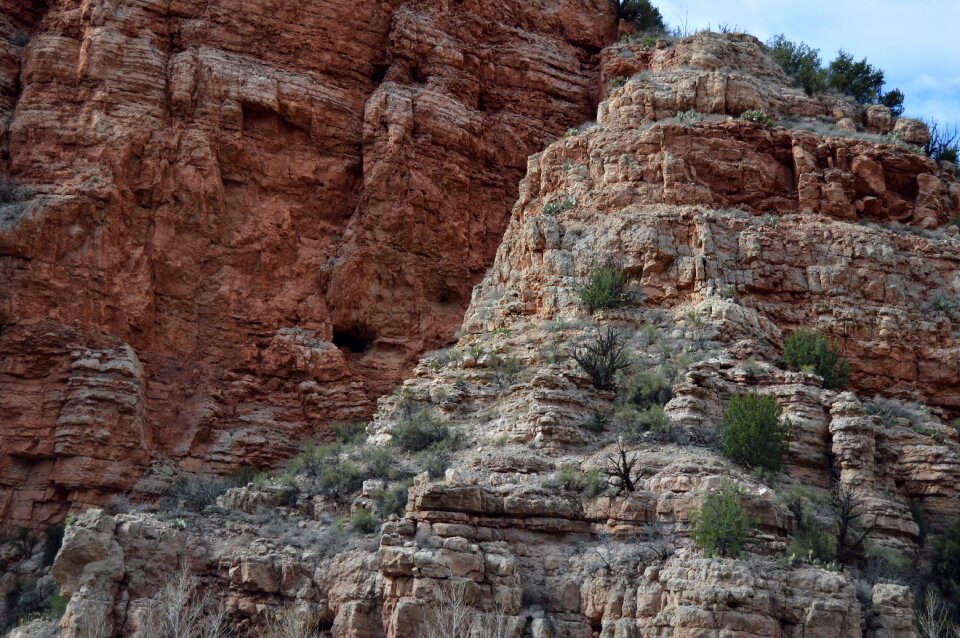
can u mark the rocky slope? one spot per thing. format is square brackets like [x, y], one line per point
[223, 230]
[732, 233]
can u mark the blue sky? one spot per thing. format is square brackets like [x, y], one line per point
[916, 43]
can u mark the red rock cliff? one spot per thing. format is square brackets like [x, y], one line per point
[225, 227]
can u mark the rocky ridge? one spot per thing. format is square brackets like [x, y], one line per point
[732, 233]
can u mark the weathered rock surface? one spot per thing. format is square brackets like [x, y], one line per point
[274, 210]
[730, 234]
[73, 403]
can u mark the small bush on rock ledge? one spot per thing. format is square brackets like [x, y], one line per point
[813, 542]
[606, 287]
[194, 493]
[420, 432]
[720, 527]
[807, 348]
[753, 432]
[363, 521]
[757, 117]
[562, 205]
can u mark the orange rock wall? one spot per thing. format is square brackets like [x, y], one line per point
[253, 220]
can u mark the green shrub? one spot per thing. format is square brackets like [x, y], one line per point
[196, 492]
[594, 484]
[813, 545]
[310, 462]
[363, 521]
[648, 41]
[894, 101]
[800, 62]
[757, 117]
[655, 421]
[860, 80]
[24, 603]
[340, 479]
[567, 477]
[505, 370]
[634, 422]
[392, 500]
[883, 564]
[422, 431]
[56, 606]
[597, 423]
[809, 347]
[946, 563]
[560, 205]
[442, 358]
[863, 82]
[688, 117]
[606, 287]
[337, 473]
[644, 389]
[943, 304]
[589, 484]
[720, 527]
[892, 412]
[242, 476]
[642, 13]
[618, 82]
[435, 461]
[378, 463]
[350, 433]
[812, 542]
[752, 432]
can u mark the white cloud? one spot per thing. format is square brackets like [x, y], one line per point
[915, 43]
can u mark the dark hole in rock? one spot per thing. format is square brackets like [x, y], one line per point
[354, 338]
[380, 72]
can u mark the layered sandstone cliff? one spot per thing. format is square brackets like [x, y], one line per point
[223, 229]
[732, 233]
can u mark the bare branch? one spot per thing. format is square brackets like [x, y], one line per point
[603, 358]
[181, 610]
[620, 468]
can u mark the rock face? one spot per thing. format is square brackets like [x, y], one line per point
[730, 233]
[264, 216]
[74, 403]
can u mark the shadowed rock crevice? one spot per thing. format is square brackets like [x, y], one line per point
[355, 339]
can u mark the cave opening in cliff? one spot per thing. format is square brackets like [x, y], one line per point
[379, 73]
[355, 338]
